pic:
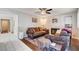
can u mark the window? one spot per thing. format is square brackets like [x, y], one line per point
[68, 21]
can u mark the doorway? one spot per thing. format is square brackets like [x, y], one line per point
[5, 25]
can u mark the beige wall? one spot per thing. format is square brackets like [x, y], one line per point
[47, 21]
[78, 23]
[13, 18]
[25, 21]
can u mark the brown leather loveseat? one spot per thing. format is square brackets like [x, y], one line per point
[34, 32]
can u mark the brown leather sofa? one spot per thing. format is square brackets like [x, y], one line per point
[34, 32]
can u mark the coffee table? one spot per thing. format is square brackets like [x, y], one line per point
[43, 42]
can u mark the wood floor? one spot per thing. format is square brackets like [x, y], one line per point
[74, 45]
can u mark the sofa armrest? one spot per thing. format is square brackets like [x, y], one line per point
[59, 42]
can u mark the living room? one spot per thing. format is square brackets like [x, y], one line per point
[46, 23]
[39, 29]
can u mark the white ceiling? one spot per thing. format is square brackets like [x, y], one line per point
[55, 11]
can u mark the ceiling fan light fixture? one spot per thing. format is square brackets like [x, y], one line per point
[43, 12]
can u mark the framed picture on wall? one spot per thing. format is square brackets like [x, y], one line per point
[34, 20]
[55, 20]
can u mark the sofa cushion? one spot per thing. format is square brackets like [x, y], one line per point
[39, 33]
[42, 31]
[67, 30]
[39, 28]
[53, 38]
[59, 42]
[36, 33]
[64, 33]
[31, 30]
[36, 29]
[48, 36]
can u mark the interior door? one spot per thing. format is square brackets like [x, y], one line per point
[5, 25]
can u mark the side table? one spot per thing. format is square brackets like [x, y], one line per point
[21, 35]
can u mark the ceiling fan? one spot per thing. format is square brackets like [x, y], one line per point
[44, 11]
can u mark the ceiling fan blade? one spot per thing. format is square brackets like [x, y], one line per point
[48, 12]
[49, 9]
[42, 9]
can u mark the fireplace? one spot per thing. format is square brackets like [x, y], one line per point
[53, 30]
